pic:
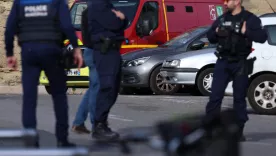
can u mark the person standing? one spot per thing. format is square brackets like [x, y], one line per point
[234, 32]
[39, 26]
[106, 30]
[88, 102]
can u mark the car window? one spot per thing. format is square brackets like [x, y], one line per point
[271, 32]
[185, 37]
[205, 40]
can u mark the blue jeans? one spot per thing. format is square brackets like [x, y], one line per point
[88, 102]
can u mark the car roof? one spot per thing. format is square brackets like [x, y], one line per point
[268, 15]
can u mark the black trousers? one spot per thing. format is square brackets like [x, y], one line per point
[223, 73]
[37, 57]
[109, 70]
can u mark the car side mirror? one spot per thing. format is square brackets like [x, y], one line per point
[197, 45]
[144, 28]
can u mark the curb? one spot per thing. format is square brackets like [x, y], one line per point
[18, 90]
[41, 90]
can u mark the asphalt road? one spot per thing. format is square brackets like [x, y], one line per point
[136, 111]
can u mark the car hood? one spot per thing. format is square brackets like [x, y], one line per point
[192, 53]
[148, 52]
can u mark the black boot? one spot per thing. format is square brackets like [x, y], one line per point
[240, 134]
[65, 144]
[102, 132]
[36, 144]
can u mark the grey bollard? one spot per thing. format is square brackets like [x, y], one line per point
[46, 152]
[28, 136]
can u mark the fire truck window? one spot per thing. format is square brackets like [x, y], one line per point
[189, 8]
[170, 8]
[150, 11]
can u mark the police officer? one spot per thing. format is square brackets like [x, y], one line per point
[234, 32]
[106, 28]
[39, 26]
[89, 99]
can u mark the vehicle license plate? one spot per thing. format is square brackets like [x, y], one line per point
[73, 72]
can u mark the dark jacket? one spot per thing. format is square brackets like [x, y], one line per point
[103, 22]
[236, 44]
[84, 29]
[63, 16]
[254, 30]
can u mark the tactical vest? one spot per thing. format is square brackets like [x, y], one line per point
[233, 43]
[39, 21]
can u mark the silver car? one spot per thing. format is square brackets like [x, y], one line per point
[191, 69]
[141, 68]
[196, 69]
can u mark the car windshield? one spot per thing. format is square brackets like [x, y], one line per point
[128, 7]
[183, 38]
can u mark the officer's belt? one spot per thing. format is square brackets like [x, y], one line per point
[43, 41]
[233, 58]
[114, 45]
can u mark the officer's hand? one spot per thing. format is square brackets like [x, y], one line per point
[12, 62]
[217, 30]
[119, 14]
[78, 57]
[243, 30]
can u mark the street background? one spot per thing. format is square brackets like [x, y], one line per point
[136, 111]
[14, 78]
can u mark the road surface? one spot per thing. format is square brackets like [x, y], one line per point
[131, 111]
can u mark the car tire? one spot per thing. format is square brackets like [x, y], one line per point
[258, 94]
[156, 77]
[204, 80]
[48, 89]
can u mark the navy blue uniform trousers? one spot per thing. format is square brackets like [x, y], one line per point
[37, 57]
[224, 72]
[109, 71]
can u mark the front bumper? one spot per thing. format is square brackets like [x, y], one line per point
[135, 76]
[185, 76]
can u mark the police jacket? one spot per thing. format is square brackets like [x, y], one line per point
[39, 21]
[232, 43]
[103, 22]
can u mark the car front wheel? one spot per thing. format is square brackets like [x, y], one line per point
[262, 94]
[204, 81]
[158, 84]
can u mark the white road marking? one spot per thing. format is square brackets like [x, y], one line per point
[115, 117]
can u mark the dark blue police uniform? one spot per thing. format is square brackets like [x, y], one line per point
[232, 63]
[103, 23]
[39, 26]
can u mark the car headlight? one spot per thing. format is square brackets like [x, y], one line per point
[137, 62]
[171, 63]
